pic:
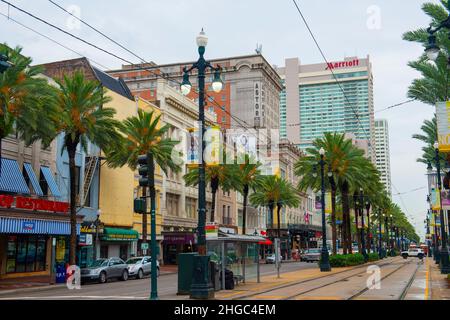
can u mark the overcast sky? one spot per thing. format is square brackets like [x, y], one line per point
[165, 31]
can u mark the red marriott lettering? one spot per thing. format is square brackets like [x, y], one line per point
[7, 201]
[343, 64]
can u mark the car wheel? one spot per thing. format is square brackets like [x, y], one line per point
[102, 278]
[140, 274]
[124, 275]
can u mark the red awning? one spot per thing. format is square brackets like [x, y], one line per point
[267, 242]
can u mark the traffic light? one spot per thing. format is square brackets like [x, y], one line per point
[143, 170]
[139, 206]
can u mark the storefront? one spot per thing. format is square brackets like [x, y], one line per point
[31, 246]
[118, 242]
[175, 243]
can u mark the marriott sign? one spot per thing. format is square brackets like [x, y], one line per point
[343, 64]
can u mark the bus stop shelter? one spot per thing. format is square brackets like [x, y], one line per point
[238, 253]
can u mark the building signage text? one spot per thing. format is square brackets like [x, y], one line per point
[343, 64]
[7, 201]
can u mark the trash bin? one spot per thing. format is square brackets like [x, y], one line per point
[185, 272]
[229, 280]
[215, 275]
[60, 273]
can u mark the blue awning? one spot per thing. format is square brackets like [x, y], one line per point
[34, 181]
[50, 181]
[34, 226]
[11, 178]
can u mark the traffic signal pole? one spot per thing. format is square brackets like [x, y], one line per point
[151, 185]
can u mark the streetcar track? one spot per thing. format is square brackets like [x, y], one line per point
[386, 276]
[345, 279]
[311, 279]
[410, 282]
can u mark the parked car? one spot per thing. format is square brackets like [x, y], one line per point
[311, 255]
[270, 258]
[413, 252]
[103, 269]
[140, 266]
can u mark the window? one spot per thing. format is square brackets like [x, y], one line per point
[26, 253]
[172, 204]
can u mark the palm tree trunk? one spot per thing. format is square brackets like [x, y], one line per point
[278, 220]
[144, 216]
[244, 211]
[213, 204]
[333, 219]
[358, 235]
[346, 218]
[71, 149]
[368, 243]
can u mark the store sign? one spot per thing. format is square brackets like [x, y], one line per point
[28, 225]
[342, 64]
[26, 203]
[443, 125]
[85, 239]
[211, 231]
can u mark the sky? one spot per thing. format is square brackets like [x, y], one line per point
[165, 31]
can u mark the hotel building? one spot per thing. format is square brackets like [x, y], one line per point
[314, 101]
[383, 163]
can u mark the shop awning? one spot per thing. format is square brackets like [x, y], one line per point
[11, 178]
[34, 226]
[267, 242]
[34, 181]
[117, 234]
[50, 181]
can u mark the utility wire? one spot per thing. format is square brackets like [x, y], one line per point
[396, 105]
[52, 40]
[98, 31]
[339, 84]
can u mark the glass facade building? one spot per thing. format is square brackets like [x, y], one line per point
[323, 104]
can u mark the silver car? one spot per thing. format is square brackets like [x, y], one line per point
[103, 269]
[311, 255]
[140, 266]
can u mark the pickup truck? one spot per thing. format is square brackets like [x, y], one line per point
[413, 252]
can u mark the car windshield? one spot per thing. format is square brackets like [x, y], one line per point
[98, 263]
[314, 251]
[134, 260]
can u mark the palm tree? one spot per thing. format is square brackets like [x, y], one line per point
[275, 191]
[221, 176]
[82, 117]
[248, 175]
[429, 137]
[26, 100]
[143, 135]
[344, 162]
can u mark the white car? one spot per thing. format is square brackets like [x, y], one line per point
[413, 252]
[140, 266]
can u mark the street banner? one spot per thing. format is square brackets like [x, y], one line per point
[443, 125]
[435, 199]
[445, 198]
[212, 146]
[211, 230]
[382, 228]
[193, 145]
[328, 202]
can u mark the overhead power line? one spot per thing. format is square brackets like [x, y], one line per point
[51, 39]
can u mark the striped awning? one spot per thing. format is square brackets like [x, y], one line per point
[34, 181]
[34, 226]
[11, 178]
[50, 181]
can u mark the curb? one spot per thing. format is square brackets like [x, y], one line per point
[50, 287]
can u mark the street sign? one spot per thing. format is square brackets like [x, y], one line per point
[144, 245]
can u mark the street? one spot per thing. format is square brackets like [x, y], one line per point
[134, 288]
[399, 279]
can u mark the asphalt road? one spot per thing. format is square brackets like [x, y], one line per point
[133, 288]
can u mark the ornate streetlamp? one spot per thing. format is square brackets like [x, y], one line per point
[201, 283]
[325, 260]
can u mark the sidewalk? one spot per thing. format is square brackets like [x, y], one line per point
[439, 283]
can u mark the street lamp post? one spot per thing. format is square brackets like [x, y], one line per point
[325, 260]
[391, 235]
[444, 262]
[363, 243]
[380, 238]
[435, 235]
[432, 49]
[201, 287]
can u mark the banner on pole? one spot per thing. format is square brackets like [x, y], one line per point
[443, 125]
[435, 199]
[328, 202]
